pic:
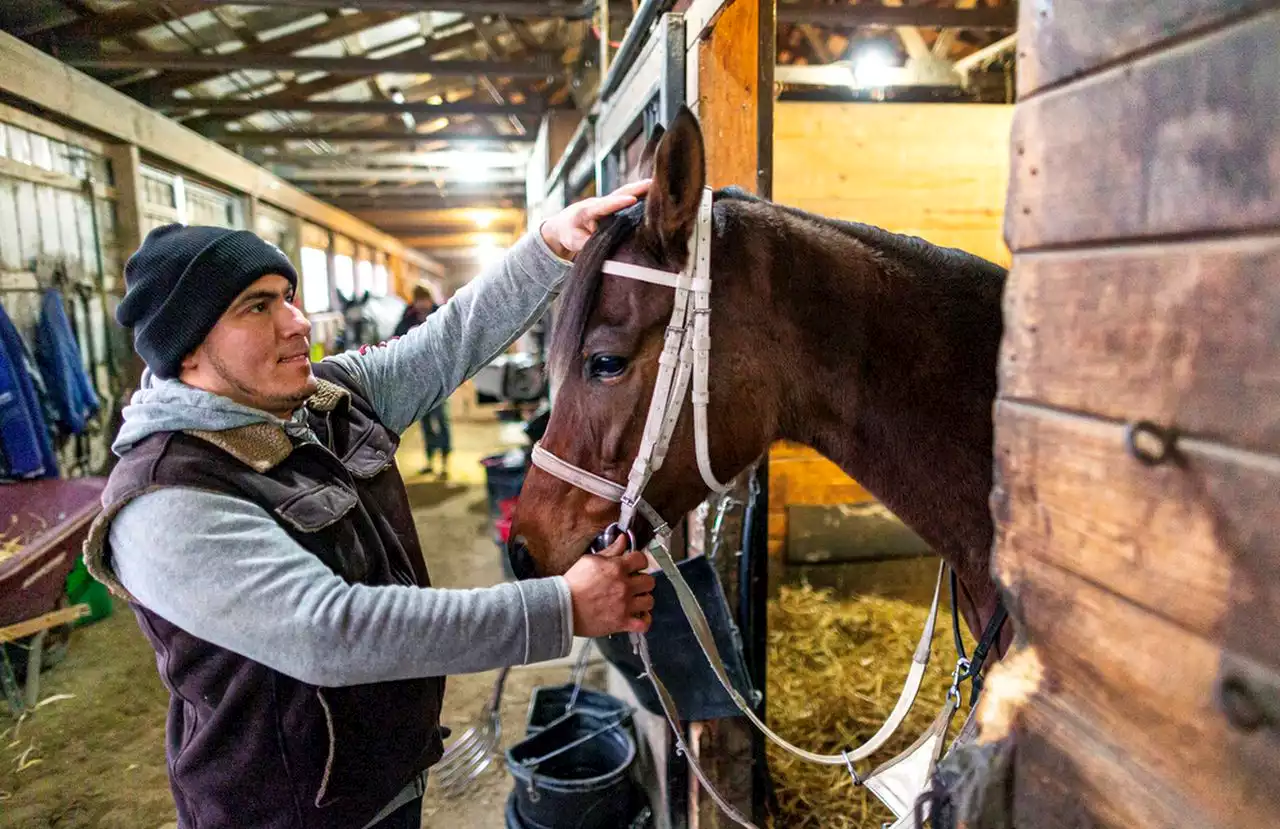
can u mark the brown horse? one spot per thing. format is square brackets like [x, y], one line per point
[878, 350]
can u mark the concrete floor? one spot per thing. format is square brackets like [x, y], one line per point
[100, 750]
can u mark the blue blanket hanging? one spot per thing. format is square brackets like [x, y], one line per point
[58, 355]
[26, 451]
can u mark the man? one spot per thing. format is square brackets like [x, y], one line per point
[435, 425]
[258, 525]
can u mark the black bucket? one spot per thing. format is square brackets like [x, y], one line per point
[550, 702]
[576, 774]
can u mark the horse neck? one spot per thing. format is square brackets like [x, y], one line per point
[893, 375]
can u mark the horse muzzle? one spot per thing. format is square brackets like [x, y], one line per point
[520, 559]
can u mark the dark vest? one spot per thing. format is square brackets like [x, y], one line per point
[249, 747]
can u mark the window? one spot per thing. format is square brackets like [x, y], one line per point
[315, 280]
[364, 277]
[380, 280]
[344, 277]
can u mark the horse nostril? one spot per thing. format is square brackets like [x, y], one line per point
[519, 558]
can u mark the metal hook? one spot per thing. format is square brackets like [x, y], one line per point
[610, 535]
[1138, 438]
[848, 763]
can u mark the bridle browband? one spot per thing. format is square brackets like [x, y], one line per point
[685, 357]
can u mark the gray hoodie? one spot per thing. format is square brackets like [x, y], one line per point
[222, 569]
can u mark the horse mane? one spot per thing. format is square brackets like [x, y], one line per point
[909, 249]
[583, 282]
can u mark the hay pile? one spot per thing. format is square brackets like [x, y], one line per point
[835, 670]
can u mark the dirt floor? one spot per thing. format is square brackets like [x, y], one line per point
[94, 758]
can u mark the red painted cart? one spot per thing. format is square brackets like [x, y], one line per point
[49, 519]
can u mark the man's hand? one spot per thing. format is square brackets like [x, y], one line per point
[611, 592]
[567, 232]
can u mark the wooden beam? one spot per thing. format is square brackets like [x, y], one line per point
[734, 101]
[333, 29]
[359, 204]
[873, 14]
[235, 106]
[122, 20]
[453, 239]
[443, 175]
[298, 92]
[563, 9]
[387, 136]
[361, 66]
[471, 217]
[42, 80]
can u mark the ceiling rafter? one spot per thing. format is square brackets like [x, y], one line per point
[296, 92]
[335, 28]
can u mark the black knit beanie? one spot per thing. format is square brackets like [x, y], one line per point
[182, 280]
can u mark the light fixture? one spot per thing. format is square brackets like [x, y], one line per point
[407, 117]
[472, 168]
[488, 253]
[873, 66]
[484, 219]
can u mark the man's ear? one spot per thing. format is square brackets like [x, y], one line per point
[645, 168]
[192, 361]
[679, 175]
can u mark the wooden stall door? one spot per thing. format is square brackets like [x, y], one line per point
[1142, 215]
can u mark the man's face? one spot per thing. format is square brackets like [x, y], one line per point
[258, 353]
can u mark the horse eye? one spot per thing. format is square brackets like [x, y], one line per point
[606, 366]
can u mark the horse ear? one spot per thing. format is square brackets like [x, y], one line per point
[645, 167]
[679, 174]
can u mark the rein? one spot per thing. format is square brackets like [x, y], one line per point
[685, 357]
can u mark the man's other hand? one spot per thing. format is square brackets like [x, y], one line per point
[611, 592]
[567, 232]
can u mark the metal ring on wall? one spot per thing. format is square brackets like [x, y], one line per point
[1137, 441]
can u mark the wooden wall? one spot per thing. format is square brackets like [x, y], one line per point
[938, 171]
[58, 215]
[1143, 208]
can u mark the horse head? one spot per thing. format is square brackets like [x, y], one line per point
[605, 352]
[877, 349]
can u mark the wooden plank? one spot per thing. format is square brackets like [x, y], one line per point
[1061, 41]
[938, 171]
[13, 633]
[1148, 687]
[1196, 542]
[1070, 776]
[1183, 141]
[42, 80]
[728, 97]
[1163, 333]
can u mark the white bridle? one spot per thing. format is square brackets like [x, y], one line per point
[686, 354]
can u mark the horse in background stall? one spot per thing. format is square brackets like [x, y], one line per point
[876, 349]
[368, 319]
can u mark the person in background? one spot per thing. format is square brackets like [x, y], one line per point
[436, 438]
[258, 526]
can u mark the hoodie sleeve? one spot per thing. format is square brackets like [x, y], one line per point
[407, 377]
[226, 572]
